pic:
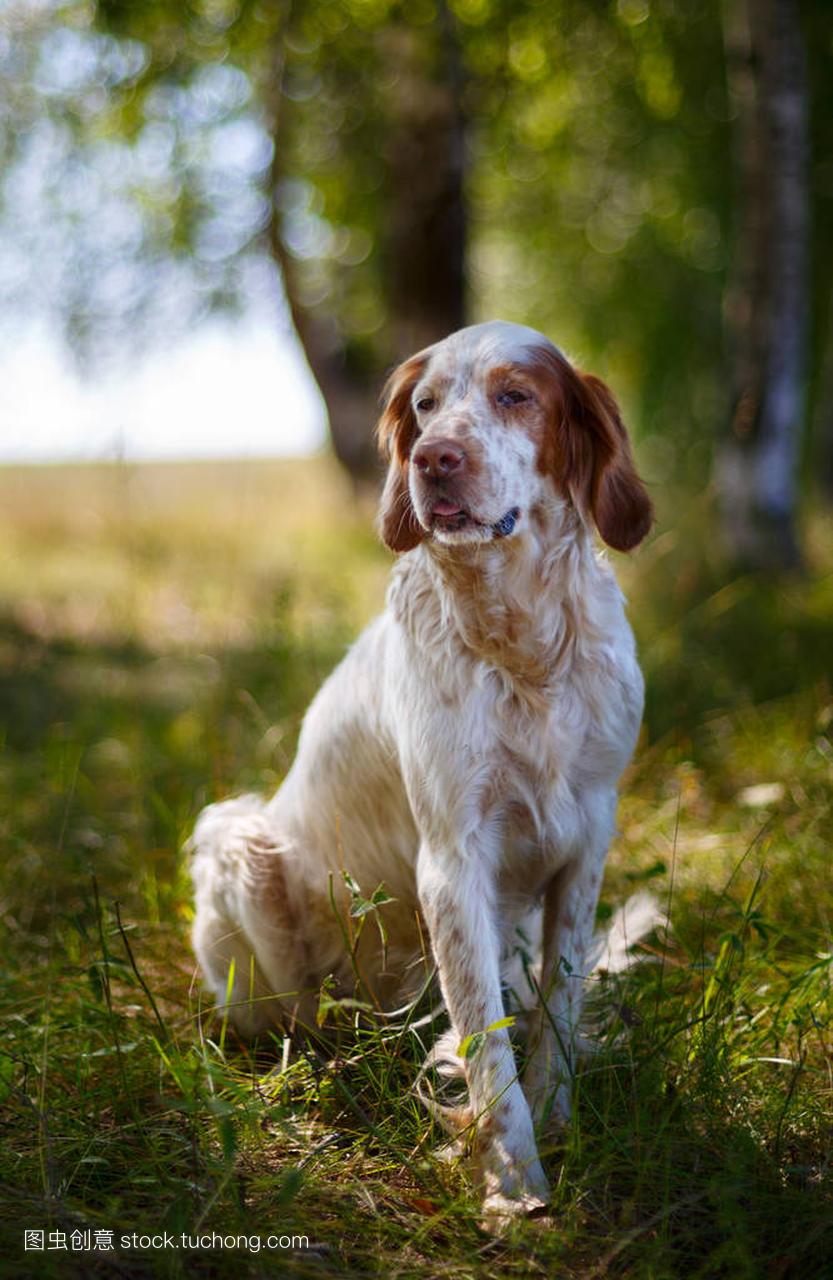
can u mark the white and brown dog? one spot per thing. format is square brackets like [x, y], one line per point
[466, 751]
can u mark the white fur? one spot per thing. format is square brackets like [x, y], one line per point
[465, 753]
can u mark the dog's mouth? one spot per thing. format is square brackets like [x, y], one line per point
[449, 516]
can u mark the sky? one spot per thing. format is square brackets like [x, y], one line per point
[75, 243]
[232, 389]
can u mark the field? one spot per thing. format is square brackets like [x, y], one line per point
[161, 631]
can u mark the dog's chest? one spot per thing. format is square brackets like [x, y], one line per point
[529, 742]
[512, 736]
[542, 755]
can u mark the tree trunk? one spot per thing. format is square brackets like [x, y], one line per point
[422, 239]
[823, 419]
[767, 300]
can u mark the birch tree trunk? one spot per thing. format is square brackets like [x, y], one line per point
[767, 302]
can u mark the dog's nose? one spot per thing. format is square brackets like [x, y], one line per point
[437, 459]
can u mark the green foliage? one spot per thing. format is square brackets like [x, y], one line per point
[603, 199]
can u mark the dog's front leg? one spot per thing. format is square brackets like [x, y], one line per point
[457, 900]
[569, 914]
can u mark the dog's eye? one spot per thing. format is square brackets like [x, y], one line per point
[509, 398]
[425, 403]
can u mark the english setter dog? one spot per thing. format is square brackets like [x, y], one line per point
[466, 751]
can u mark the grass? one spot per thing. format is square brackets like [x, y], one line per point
[161, 632]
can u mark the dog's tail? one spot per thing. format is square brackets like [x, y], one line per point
[611, 949]
[227, 828]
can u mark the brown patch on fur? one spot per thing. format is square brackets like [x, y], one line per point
[458, 1118]
[396, 432]
[497, 625]
[587, 451]
[511, 377]
[267, 872]
[492, 1129]
[529, 416]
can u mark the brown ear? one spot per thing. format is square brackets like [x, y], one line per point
[396, 432]
[618, 499]
[590, 454]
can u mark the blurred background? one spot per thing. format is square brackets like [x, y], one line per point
[223, 222]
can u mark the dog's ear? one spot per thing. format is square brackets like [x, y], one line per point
[396, 432]
[589, 454]
[619, 501]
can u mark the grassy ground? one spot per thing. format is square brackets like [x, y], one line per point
[161, 631]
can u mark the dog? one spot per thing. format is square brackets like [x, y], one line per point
[465, 753]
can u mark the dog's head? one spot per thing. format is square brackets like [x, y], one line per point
[489, 425]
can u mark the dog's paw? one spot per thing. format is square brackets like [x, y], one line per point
[501, 1212]
[513, 1190]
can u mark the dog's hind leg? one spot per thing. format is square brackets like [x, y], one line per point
[245, 934]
